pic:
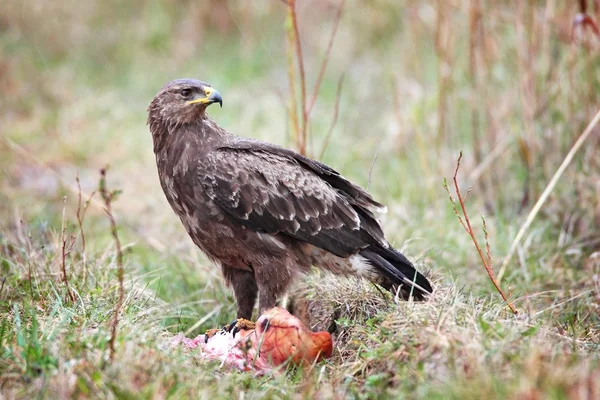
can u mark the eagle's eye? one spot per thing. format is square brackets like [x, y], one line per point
[185, 93]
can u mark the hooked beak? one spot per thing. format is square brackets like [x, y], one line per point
[210, 96]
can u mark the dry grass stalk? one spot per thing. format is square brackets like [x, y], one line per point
[80, 214]
[300, 130]
[334, 119]
[373, 164]
[466, 223]
[538, 206]
[295, 36]
[291, 72]
[525, 62]
[474, 36]
[442, 48]
[336, 23]
[109, 197]
[65, 251]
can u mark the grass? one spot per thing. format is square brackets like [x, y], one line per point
[76, 80]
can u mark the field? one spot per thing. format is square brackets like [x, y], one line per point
[407, 86]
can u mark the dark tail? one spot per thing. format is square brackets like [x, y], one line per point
[398, 271]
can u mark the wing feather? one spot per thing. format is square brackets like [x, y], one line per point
[277, 194]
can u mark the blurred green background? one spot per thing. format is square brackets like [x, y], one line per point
[502, 82]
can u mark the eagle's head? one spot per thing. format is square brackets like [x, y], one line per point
[180, 102]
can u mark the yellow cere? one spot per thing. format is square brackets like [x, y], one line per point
[201, 100]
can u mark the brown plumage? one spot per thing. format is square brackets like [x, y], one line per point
[264, 213]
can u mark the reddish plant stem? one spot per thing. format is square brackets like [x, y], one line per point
[64, 254]
[467, 225]
[108, 198]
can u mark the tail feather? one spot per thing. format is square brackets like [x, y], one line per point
[400, 272]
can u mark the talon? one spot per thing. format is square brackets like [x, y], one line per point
[239, 325]
[210, 333]
[231, 326]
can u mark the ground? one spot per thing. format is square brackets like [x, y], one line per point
[505, 84]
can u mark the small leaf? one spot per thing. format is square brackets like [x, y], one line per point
[376, 380]
[531, 331]
[485, 326]
[5, 267]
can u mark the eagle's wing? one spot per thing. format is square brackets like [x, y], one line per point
[270, 191]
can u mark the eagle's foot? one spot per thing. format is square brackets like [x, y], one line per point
[240, 324]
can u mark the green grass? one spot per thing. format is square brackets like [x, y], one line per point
[76, 80]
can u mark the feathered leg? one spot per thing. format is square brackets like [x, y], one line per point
[273, 281]
[244, 288]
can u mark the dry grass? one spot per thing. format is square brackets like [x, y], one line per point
[512, 87]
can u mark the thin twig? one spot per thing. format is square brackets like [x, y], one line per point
[396, 102]
[65, 251]
[538, 206]
[443, 41]
[108, 198]
[373, 164]
[487, 242]
[564, 302]
[467, 225]
[336, 23]
[300, 59]
[291, 72]
[336, 109]
[489, 159]
[474, 24]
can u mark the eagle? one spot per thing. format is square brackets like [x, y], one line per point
[263, 213]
